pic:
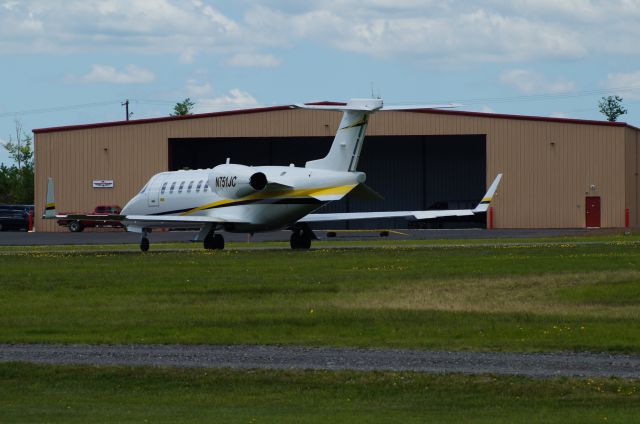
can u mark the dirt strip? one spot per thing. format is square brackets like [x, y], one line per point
[566, 364]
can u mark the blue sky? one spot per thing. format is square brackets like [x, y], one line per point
[74, 61]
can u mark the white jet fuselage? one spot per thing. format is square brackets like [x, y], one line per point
[242, 198]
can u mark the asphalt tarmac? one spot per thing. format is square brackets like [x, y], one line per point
[538, 365]
[98, 237]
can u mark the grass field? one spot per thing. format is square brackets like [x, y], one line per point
[560, 296]
[73, 394]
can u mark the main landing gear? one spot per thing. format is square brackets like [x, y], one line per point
[301, 237]
[213, 241]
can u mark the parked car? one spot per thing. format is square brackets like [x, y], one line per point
[15, 217]
[77, 225]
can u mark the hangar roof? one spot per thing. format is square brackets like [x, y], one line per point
[287, 107]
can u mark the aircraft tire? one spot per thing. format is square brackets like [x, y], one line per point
[305, 241]
[75, 227]
[208, 242]
[300, 241]
[218, 242]
[144, 244]
[294, 241]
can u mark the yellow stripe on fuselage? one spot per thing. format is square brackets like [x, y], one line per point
[307, 192]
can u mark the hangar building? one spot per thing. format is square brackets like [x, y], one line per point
[558, 173]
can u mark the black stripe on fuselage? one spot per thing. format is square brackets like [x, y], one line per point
[271, 201]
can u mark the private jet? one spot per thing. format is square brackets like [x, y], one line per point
[246, 199]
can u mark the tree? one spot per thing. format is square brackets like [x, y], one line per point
[611, 107]
[16, 181]
[183, 108]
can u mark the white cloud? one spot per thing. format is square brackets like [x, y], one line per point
[235, 99]
[131, 74]
[449, 31]
[626, 85]
[530, 82]
[487, 109]
[197, 89]
[253, 60]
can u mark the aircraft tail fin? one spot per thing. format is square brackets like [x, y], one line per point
[50, 206]
[347, 144]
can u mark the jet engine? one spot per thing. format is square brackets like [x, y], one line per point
[235, 181]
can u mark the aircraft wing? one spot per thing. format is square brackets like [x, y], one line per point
[483, 206]
[136, 223]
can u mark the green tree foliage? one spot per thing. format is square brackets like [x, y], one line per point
[611, 107]
[16, 181]
[183, 108]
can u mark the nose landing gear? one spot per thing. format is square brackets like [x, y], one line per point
[144, 242]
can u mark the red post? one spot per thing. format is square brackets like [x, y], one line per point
[491, 217]
[626, 218]
[30, 221]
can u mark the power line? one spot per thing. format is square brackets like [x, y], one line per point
[58, 108]
[466, 102]
[535, 97]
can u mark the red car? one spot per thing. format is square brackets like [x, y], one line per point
[77, 225]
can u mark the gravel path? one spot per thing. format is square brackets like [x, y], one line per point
[284, 357]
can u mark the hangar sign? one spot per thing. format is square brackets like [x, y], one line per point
[102, 183]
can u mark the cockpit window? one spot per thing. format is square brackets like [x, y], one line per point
[164, 187]
[144, 188]
[181, 187]
[173, 185]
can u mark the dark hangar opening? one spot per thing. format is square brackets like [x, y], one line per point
[411, 172]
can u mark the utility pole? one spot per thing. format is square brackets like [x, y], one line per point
[126, 105]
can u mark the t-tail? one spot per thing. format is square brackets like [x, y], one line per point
[347, 144]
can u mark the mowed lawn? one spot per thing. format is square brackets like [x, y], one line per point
[514, 298]
[75, 394]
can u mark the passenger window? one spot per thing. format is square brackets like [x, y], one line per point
[173, 185]
[190, 185]
[164, 187]
[206, 187]
[198, 186]
[181, 187]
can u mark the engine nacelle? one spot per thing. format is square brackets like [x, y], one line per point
[235, 181]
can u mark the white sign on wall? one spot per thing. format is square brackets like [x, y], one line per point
[102, 183]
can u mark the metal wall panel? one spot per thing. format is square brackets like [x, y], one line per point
[549, 167]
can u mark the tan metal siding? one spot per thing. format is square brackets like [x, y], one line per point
[548, 167]
[631, 176]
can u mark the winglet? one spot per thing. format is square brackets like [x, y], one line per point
[50, 207]
[483, 206]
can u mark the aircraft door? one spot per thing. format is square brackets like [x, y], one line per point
[153, 198]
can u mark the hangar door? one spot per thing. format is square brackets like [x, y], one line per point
[411, 172]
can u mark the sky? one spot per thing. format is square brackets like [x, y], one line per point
[69, 62]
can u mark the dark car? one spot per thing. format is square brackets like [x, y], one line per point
[15, 217]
